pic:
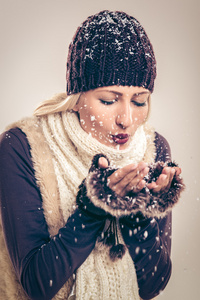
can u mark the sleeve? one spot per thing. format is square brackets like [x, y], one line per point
[163, 151]
[42, 264]
[149, 241]
[149, 244]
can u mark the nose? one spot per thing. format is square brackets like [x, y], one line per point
[124, 116]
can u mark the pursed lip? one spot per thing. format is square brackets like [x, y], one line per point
[121, 138]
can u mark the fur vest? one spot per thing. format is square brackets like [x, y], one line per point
[47, 182]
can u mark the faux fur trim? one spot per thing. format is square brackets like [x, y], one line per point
[148, 203]
[10, 287]
[44, 172]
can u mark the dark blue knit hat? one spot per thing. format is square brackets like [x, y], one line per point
[110, 48]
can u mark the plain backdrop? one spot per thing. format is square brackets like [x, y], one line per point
[35, 35]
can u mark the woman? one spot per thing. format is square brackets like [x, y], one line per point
[86, 186]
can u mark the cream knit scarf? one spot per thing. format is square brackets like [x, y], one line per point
[72, 150]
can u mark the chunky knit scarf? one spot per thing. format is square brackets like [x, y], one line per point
[72, 150]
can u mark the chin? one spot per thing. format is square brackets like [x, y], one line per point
[119, 146]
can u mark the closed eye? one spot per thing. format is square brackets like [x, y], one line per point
[105, 102]
[139, 104]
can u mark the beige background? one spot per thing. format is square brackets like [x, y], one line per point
[34, 40]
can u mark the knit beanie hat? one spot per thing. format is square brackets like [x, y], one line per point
[110, 48]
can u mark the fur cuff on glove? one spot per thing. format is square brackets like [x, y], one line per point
[148, 203]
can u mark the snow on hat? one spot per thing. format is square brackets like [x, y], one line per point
[110, 48]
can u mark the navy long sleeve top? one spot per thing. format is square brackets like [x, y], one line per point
[43, 263]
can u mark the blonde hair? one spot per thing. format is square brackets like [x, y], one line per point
[60, 102]
[63, 102]
[149, 108]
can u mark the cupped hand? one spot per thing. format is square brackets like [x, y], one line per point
[164, 181]
[131, 178]
[126, 179]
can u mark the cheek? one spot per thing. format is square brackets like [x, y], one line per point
[93, 120]
[140, 115]
[102, 117]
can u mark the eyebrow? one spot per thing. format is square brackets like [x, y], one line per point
[121, 94]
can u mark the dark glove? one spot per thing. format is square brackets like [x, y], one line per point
[85, 203]
[158, 204]
[96, 205]
[150, 204]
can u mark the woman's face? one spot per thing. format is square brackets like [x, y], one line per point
[112, 114]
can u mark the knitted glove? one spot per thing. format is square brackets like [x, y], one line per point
[96, 198]
[84, 202]
[148, 203]
[109, 237]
